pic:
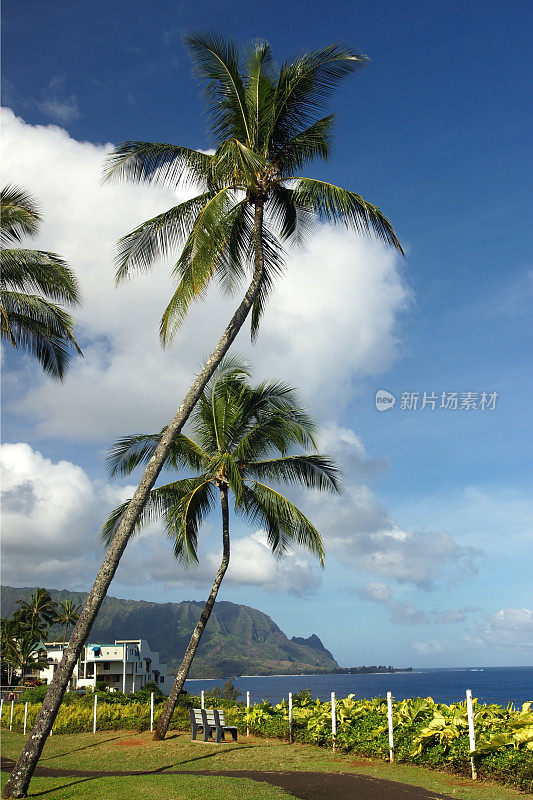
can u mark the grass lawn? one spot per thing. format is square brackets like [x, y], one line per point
[123, 751]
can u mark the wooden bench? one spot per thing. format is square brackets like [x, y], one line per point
[211, 721]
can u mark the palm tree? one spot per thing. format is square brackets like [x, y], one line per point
[67, 615]
[265, 129]
[9, 631]
[31, 281]
[21, 642]
[243, 435]
[25, 653]
[38, 613]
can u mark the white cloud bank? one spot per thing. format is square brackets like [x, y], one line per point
[406, 612]
[51, 515]
[332, 317]
[360, 533]
[48, 519]
[509, 627]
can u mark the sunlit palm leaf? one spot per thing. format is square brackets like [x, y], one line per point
[335, 204]
[284, 523]
[313, 471]
[163, 163]
[158, 237]
[216, 62]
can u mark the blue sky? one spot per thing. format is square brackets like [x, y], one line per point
[429, 547]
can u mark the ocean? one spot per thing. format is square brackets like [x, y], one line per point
[489, 684]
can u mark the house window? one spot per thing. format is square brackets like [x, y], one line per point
[116, 678]
[161, 679]
[106, 665]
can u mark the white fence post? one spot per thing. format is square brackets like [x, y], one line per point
[290, 719]
[471, 731]
[333, 720]
[247, 710]
[25, 717]
[202, 699]
[94, 712]
[151, 711]
[391, 727]
[11, 717]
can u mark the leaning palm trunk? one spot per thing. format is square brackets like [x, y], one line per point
[181, 677]
[18, 783]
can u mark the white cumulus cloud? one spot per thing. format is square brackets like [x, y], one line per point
[333, 316]
[51, 512]
[509, 627]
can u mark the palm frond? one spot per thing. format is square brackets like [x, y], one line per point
[184, 516]
[306, 83]
[272, 417]
[306, 145]
[273, 266]
[37, 270]
[129, 452]
[163, 163]
[259, 93]
[39, 327]
[235, 163]
[284, 523]
[216, 63]
[335, 204]
[19, 214]
[158, 237]
[202, 255]
[160, 501]
[311, 470]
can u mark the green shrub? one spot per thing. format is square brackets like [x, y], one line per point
[35, 694]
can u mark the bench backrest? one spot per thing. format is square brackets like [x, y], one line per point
[213, 717]
[210, 717]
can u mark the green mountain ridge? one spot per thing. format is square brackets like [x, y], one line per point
[238, 639]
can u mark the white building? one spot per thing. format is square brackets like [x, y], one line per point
[126, 665]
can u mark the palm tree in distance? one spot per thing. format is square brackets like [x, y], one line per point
[31, 283]
[67, 615]
[38, 613]
[242, 436]
[266, 126]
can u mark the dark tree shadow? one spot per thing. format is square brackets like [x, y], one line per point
[78, 749]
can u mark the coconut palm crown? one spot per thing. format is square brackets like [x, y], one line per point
[31, 284]
[241, 436]
[266, 127]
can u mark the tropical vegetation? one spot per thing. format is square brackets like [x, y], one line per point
[67, 615]
[504, 736]
[242, 436]
[33, 282]
[22, 635]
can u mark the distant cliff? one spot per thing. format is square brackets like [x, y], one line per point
[238, 640]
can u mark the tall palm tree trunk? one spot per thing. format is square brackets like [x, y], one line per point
[19, 781]
[181, 677]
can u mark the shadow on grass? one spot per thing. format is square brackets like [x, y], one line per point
[59, 788]
[216, 753]
[78, 749]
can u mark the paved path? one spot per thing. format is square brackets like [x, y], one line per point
[305, 785]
